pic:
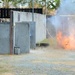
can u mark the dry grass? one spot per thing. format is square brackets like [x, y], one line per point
[51, 41]
[5, 69]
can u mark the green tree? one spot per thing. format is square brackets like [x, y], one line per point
[47, 5]
[35, 3]
[6, 3]
[19, 2]
[53, 4]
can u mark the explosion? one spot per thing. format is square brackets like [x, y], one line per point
[66, 42]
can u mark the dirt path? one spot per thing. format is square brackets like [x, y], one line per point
[43, 61]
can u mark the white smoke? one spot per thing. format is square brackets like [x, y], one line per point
[67, 7]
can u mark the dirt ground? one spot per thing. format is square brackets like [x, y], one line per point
[41, 61]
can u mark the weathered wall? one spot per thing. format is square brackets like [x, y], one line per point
[22, 37]
[4, 38]
[39, 19]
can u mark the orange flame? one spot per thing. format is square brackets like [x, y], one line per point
[66, 42]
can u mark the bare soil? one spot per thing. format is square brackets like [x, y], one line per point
[41, 61]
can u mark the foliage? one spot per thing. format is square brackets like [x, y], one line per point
[47, 5]
[6, 3]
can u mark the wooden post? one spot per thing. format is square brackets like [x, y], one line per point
[11, 32]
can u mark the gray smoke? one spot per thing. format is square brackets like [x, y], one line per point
[64, 17]
[67, 7]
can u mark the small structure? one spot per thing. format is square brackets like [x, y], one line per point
[21, 33]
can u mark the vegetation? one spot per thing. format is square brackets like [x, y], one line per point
[47, 5]
[13, 3]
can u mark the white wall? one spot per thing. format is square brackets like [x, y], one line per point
[40, 20]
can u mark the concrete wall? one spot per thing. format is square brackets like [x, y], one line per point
[4, 38]
[22, 37]
[39, 19]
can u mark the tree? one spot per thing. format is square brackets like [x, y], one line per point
[47, 5]
[19, 2]
[5, 3]
[8, 3]
[36, 5]
[53, 4]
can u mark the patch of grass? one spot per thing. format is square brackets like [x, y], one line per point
[65, 69]
[51, 41]
[44, 41]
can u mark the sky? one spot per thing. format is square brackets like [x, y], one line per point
[67, 7]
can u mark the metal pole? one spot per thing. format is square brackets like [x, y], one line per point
[32, 10]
